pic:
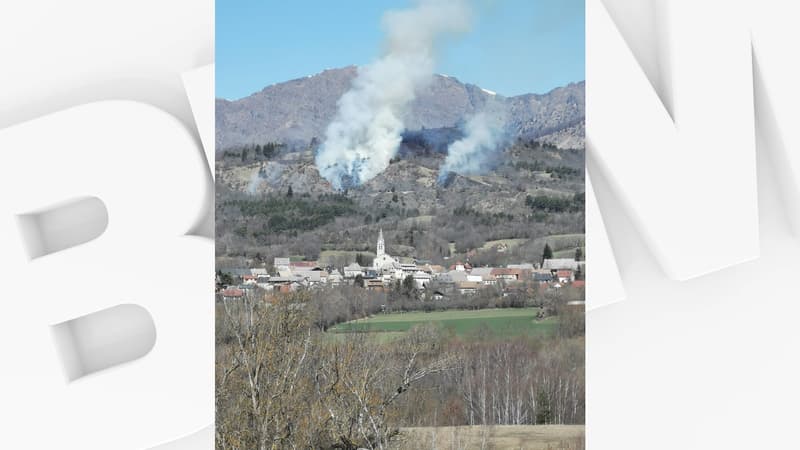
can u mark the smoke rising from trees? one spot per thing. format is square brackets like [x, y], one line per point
[473, 154]
[366, 131]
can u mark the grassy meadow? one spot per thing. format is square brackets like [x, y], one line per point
[506, 322]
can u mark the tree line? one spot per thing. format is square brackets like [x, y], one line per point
[546, 203]
[284, 383]
[253, 151]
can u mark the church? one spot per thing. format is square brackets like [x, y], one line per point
[384, 263]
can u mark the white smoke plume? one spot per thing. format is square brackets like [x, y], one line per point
[255, 181]
[268, 172]
[366, 131]
[256, 178]
[484, 133]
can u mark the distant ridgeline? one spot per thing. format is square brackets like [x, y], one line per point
[296, 113]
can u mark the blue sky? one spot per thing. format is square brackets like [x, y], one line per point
[514, 47]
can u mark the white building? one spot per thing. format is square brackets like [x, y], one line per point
[384, 262]
[422, 279]
[281, 264]
[561, 263]
[482, 275]
[353, 270]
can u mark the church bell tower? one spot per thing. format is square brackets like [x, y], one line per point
[381, 245]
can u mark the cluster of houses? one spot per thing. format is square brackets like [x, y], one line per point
[386, 270]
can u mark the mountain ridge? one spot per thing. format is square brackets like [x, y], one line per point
[297, 111]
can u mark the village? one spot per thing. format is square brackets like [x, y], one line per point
[386, 271]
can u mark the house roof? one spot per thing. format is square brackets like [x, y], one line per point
[444, 278]
[353, 267]
[456, 275]
[564, 273]
[498, 271]
[527, 266]
[482, 271]
[560, 263]
[284, 279]
[542, 276]
[236, 271]
[313, 276]
[233, 292]
[579, 283]
[468, 285]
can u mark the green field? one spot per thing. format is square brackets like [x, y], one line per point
[568, 252]
[502, 322]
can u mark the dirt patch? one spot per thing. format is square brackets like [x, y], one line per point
[527, 437]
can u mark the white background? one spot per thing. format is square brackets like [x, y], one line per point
[62, 54]
[711, 361]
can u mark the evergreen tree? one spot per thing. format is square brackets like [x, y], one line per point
[289, 191]
[224, 278]
[408, 286]
[547, 253]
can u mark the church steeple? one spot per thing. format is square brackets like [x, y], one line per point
[381, 245]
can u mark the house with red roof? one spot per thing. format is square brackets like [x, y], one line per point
[232, 294]
[565, 276]
[502, 273]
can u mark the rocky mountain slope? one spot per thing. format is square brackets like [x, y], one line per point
[275, 202]
[297, 111]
